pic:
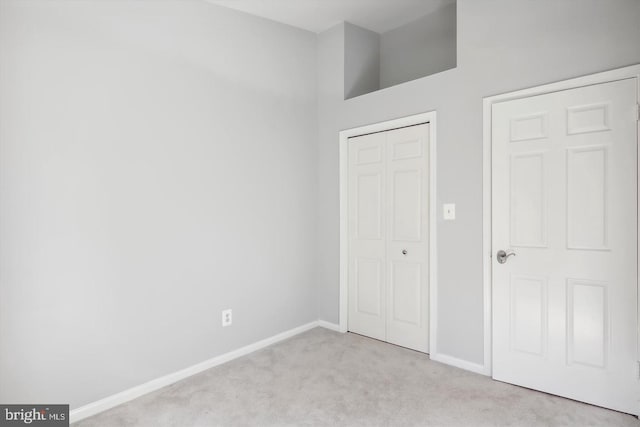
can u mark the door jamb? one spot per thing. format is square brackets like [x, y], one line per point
[428, 117]
[624, 73]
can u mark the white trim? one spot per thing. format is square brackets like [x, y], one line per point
[458, 363]
[429, 117]
[344, 233]
[114, 400]
[329, 325]
[487, 252]
[433, 248]
[593, 79]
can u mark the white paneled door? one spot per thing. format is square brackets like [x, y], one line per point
[388, 236]
[564, 211]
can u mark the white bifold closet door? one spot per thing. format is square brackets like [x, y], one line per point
[388, 236]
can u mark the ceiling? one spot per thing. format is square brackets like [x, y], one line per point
[318, 15]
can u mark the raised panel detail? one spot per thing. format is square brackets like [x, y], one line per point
[368, 278]
[528, 210]
[369, 208]
[368, 155]
[587, 314]
[529, 314]
[405, 292]
[587, 219]
[527, 128]
[407, 149]
[406, 219]
[588, 118]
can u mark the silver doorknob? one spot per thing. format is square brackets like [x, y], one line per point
[404, 252]
[503, 256]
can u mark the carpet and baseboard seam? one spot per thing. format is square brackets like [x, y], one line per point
[459, 363]
[114, 400]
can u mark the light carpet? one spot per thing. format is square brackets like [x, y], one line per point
[324, 378]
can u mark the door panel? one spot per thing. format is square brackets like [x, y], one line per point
[406, 205]
[587, 312]
[564, 199]
[587, 198]
[407, 248]
[528, 206]
[369, 205]
[369, 280]
[367, 236]
[529, 314]
[406, 292]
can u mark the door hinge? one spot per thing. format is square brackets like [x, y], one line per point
[639, 370]
[638, 112]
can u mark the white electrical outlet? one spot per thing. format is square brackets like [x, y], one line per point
[227, 317]
[449, 211]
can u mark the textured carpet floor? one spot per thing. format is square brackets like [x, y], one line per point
[323, 378]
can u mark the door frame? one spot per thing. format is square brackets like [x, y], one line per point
[630, 72]
[428, 117]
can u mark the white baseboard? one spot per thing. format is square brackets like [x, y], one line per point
[329, 325]
[459, 363]
[153, 385]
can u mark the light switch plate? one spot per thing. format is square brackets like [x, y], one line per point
[449, 211]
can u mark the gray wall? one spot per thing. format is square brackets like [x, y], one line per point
[157, 165]
[420, 48]
[503, 45]
[361, 61]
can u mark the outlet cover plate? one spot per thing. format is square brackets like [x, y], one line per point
[449, 211]
[227, 317]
